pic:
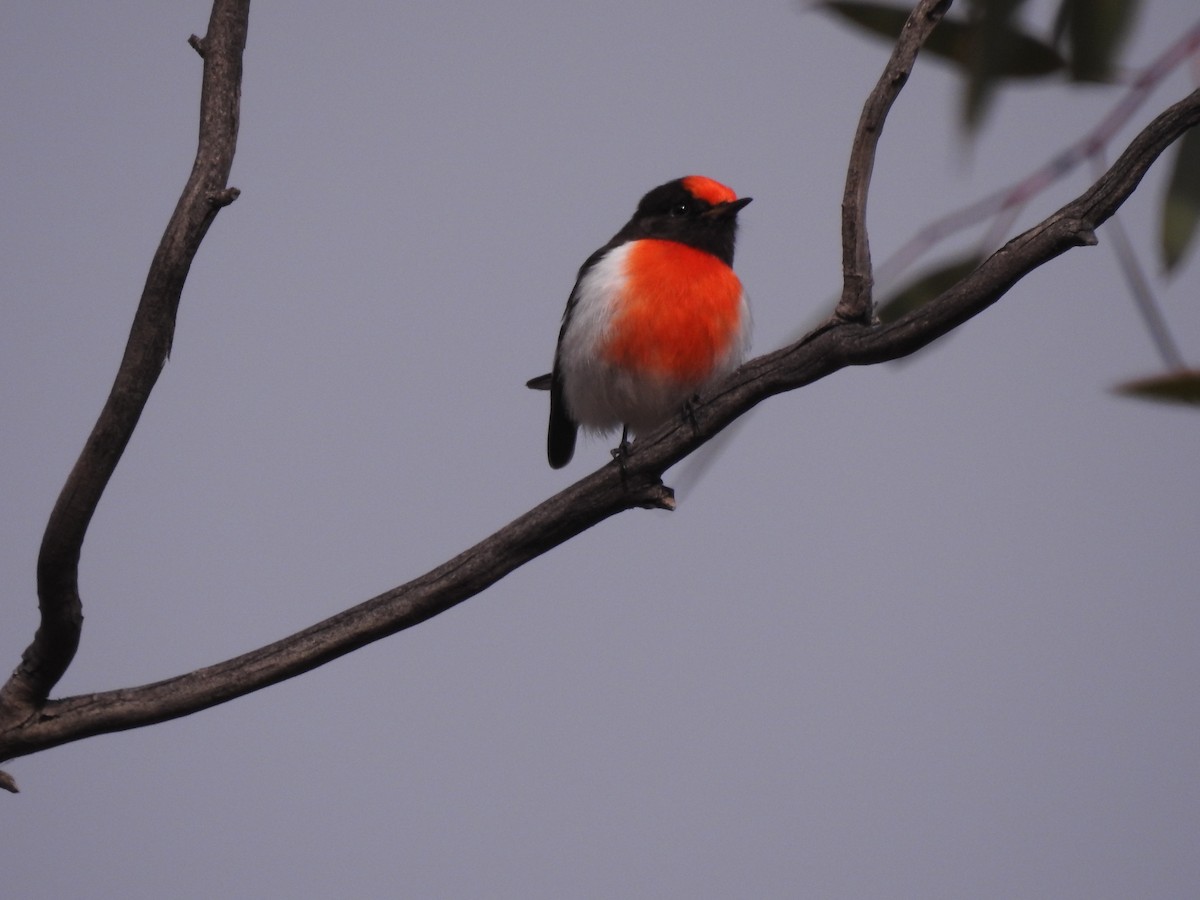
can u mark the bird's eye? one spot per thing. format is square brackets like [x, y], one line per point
[680, 209]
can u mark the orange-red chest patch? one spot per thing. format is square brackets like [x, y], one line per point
[678, 314]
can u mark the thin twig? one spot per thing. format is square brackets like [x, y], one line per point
[856, 302]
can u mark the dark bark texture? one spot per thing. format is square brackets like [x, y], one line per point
[30, 721]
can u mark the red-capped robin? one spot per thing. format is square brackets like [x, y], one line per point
[655, 316]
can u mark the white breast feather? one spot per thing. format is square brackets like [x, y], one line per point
[601, 396]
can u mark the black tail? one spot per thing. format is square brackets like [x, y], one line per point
[560, 437]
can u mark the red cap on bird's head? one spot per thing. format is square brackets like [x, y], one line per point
[708, 190]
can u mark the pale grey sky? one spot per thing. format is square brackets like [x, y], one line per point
[925, 630]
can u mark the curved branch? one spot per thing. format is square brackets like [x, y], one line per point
[831, 347]
[855, 304]
[57, 637]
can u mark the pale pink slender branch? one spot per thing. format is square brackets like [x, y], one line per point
[1012, 198]
[1139, 286]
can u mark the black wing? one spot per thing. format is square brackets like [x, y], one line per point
[561, 434]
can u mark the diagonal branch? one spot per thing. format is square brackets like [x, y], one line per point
[57, 636]
[1143, 293]
[609, 491]
[855, 304]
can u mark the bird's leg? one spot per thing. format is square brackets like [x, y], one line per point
[622, 450]
[689, 412]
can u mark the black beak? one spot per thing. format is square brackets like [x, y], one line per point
[726, 210]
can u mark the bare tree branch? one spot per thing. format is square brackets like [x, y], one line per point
[608, 491]
[29, 722]
[57, 636]
[856, 304]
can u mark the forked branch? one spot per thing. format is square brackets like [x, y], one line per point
[33, 723]
[57, 636]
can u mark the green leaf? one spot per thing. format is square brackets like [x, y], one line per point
[1176, 387]
[1094, 31]
[1181, 207]
[917, 293]
[997, 49]
[986, 48]
[1021, 55]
